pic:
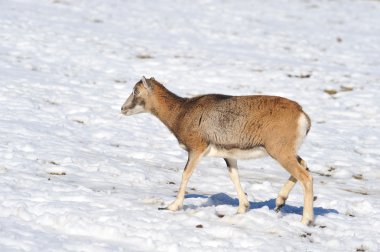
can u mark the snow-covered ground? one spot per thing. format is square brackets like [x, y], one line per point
[75, 175]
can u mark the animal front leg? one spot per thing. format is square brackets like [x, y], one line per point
[189, 168]
[234, 175]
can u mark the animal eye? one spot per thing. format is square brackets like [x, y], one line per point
[136, 91]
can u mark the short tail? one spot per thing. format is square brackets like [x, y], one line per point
[308, 122]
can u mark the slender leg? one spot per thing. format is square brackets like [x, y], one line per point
[301, 174]
[192, 161]
[234, 175]
[284, 193]
[288, 186]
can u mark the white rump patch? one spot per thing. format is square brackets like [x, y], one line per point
[235, 153]
[303, 125]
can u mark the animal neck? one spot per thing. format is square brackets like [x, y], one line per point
[166, 106]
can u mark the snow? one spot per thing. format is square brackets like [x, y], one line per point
[76, 175]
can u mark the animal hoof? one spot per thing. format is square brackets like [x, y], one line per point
[241, 211]
[172, 207]
[243, 208]
[278, 208]
[308, 223]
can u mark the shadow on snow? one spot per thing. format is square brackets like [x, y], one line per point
[224, 199]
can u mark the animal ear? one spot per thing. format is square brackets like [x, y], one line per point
[146, 84]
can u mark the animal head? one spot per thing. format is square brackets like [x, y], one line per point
[139, 100]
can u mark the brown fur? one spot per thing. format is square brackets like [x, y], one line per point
[228, 122]
[266, 116]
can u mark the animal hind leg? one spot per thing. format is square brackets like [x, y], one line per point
[284, 193]
[287, 188]
[290, 163]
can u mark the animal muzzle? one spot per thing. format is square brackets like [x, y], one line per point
[124, 110]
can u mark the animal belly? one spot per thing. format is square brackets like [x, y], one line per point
[235, 153]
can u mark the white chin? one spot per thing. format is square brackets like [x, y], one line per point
[136, 110]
